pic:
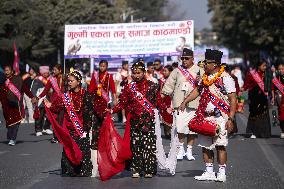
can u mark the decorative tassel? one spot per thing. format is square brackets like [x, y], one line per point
[99, 91]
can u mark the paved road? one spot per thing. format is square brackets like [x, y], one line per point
[34, 163]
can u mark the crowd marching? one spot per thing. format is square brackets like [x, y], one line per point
[195, 104]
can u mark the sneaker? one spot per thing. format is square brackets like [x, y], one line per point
[12, 143]
[190, 157]
[148, 176]
[38, 133]
[181, 152]
[220, 177]
[54, 140]
[206, 176]
[253, 136]
[47, 131]
[282, 135]
[135, 175]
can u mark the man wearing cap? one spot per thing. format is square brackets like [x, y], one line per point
[150, 73]
[42, 124]
[180, 83]
[158, 69]
[216, 110]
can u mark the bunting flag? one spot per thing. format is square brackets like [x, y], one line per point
[16, 66]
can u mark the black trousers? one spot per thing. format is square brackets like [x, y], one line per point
[12, 132]
[282, 126]
[42, 122]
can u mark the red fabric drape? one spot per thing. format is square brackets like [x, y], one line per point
[71, 148]
[113, 150]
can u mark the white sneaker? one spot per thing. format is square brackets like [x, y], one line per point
[190, 157]
[38, 133]
[206, 176]
[282, 135]
[47, 131]
[181, 152]
[12, 143]
[253, 136]
[221, 177]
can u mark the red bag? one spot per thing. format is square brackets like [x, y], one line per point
[203, 127]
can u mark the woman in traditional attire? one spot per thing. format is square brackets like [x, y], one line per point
[79, 119]
[167, 119]
[140, 97]
[258, 122]
[101, 85]
[277, 95]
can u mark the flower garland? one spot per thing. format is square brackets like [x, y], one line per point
[206, 81]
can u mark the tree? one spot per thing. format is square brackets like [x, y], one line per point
[250, 27]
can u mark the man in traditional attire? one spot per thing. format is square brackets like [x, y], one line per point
[215, 114]
[11, 97]
[180, 83]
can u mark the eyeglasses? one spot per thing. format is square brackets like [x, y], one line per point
[185, 58]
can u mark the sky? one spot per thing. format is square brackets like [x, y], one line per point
[191, 10]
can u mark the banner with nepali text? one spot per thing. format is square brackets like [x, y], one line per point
[127, 40]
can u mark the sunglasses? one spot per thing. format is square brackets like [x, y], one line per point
[185, 58]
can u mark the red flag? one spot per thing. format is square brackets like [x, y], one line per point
[16, 66]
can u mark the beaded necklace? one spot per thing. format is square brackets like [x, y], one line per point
[80, 100]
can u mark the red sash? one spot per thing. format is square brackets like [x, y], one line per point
[140, 98]
[188, 76]
[104, 93]
[278, 84]
[72, 114]
[219, 103]
[13, 88]
[258, 80]
[54, 84]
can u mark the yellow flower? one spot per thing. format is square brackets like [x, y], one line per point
[208, 82]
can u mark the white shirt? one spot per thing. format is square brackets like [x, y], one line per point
[229, 85]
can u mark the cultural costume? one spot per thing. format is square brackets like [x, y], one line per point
[212, 114]
[11, 97]
[140, 98]
[278, 89]
[101, 84]
[258, 122]
[79, 119]
[179, 85]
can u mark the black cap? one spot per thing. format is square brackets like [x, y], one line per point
[149, 64]
[213, 56]
[124, 62]
[187, 52]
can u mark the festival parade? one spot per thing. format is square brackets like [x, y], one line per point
[152, 94]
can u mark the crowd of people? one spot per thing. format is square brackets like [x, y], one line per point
[197, 102]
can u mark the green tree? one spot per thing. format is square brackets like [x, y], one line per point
[250, 26]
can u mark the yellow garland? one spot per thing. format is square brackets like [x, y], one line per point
[99, 91]
[206, 81]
